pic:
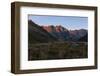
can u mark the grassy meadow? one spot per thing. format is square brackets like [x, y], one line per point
[57, 50]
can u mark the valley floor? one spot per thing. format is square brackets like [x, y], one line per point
[57, 50]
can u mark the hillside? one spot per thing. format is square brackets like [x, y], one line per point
[37, 34]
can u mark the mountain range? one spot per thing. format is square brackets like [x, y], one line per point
[64, 34]
[51, 33]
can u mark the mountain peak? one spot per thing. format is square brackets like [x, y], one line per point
[51, 28]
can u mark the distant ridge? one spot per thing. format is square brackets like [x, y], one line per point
[84, 38]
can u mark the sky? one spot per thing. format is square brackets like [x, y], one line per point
[69, 22]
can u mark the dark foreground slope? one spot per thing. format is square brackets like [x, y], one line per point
[37, 34]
